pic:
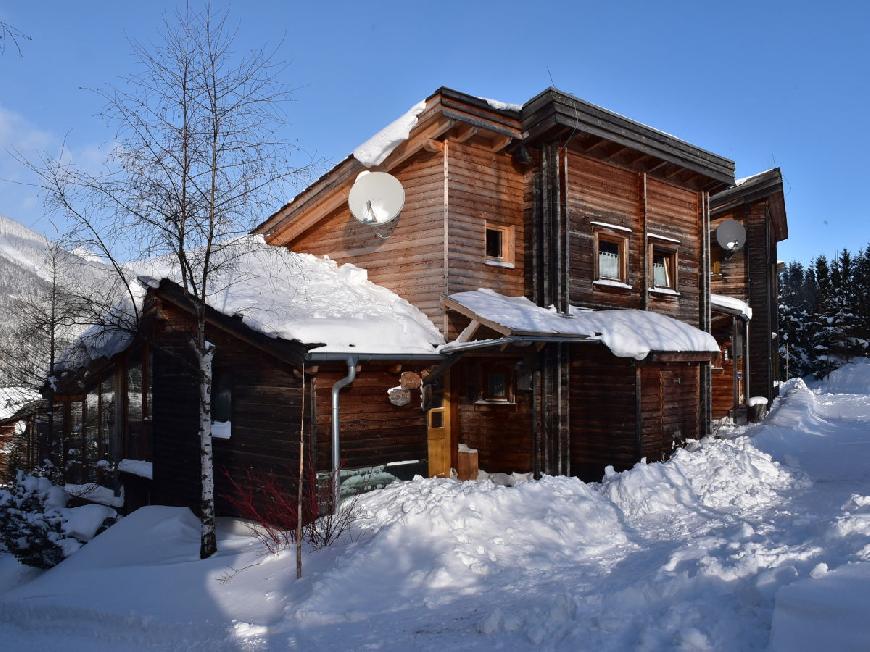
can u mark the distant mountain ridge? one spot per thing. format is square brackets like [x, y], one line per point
[25, 272]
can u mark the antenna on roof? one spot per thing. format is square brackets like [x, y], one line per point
[731, 235]
[376, 197]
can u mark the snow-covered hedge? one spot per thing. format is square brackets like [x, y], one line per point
[39, 529]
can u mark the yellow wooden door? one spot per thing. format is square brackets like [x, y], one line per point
[438, 435]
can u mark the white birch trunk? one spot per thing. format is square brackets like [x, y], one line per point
[208, 542]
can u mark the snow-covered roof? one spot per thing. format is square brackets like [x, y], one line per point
[377, 148]
[12, 399]
[731, 304]
[627, 333]
[290, 296]
[743, 180]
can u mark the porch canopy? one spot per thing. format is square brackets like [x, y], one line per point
[731, 306]
[627, 333]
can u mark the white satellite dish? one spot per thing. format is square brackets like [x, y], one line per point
[731, 235]
[376, 197]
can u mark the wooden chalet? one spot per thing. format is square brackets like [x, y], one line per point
[744, 285]
[568, 206]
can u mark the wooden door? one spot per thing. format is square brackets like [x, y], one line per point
[438, 432]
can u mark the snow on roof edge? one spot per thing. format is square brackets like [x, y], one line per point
[376, 149]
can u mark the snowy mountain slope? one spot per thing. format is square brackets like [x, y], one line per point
[749, 542]
[25, 272]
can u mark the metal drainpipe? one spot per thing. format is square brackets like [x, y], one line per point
[336, 429]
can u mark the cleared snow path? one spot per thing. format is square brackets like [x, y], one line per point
[757, 540]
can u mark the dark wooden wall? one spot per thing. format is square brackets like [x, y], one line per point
[266, 413]
[407, 255]
[602, 403]
[733, 279]
[600, 192]
[501, 433]
[483, 187]
[373, 430]
[670, 404]
[724, 370]
[761, 253]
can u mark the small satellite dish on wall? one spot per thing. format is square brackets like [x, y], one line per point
[731, 235]
[376, 197]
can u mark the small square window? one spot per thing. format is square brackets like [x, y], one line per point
[497, 383]
[499, 245]
[664, 268]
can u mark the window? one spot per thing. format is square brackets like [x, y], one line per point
[611, 257]
[221, 405]
[497, 384]
[664, 268]
[499, 245]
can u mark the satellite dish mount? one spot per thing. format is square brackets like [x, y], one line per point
[376, 198]
[731, 236]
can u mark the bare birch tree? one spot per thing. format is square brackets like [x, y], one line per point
[196, 160]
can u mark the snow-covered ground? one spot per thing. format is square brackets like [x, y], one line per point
[757, 540]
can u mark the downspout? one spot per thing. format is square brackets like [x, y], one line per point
[336, 429]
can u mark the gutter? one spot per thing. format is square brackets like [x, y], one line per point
[331, 356]
[336, 429]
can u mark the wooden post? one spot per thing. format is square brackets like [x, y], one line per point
[645, 254]
[638, 412]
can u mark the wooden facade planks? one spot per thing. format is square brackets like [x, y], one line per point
[600, 192]
[405, 256]
[373, 430]
[500, 432]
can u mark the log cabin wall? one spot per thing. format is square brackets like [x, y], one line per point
[405, 256]
[373, 430]
[670, 407]
[600, 192]
[732, 279]
[484, 188]
[725, 370]
[761, 264]
[266, 413]
[500, 432]
[603, 408]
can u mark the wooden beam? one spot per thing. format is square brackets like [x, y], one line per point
[498, 144]
[469, 331]
[465, 132]
[450, 304]
[433, 146]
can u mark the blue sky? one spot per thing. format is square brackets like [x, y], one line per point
[763, 83]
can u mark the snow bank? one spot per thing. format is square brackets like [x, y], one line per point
[851, 378]
[731, 304]
[827, 612]
[714, 473]
[290, 296]
[83, 522]
[377, 148]
[434, 536]
[627, 333]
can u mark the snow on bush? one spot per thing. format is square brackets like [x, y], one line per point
[38, 528]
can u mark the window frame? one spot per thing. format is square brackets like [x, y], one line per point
[667, 251]
[621, 241]
[508, 257]
[486, 370]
